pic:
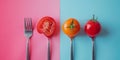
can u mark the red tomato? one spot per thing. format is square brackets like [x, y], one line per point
[47, 26]
[92, 27]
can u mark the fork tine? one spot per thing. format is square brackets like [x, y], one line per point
[25, 24]
[30, 24]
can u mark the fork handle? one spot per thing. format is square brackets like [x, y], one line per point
[49, 57]
[93, 58]
[71, 50]
[27, 50]
[93, 53]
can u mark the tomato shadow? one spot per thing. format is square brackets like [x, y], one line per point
[35, 22]
[82, 32]
[57, 31]
[104, 32]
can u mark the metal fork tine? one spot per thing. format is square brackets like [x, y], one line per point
[30, 24]
[28, 28]
[25, 25]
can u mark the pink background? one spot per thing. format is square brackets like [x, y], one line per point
[12, 38]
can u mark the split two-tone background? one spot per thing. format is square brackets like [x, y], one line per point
[12, 38]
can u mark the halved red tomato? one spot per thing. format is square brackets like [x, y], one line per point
[47, 26]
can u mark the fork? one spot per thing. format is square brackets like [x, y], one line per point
[28, 33]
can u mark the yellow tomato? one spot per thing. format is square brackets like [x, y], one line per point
[71, 27]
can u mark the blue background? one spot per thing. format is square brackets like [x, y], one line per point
[107, 43]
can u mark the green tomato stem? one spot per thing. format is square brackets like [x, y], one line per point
[72, 26]
[94, 19]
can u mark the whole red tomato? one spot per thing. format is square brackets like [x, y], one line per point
[47, 26]
[92, 27]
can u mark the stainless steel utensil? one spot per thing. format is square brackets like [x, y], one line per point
[28, 33]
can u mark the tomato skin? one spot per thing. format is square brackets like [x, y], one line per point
[68, 31]
[47, 26]
[92, 28]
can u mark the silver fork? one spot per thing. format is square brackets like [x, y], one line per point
[28, 33]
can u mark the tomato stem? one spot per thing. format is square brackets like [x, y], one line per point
[94, 19]
[72, 26]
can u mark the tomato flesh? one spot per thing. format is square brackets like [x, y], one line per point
[47, 26]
